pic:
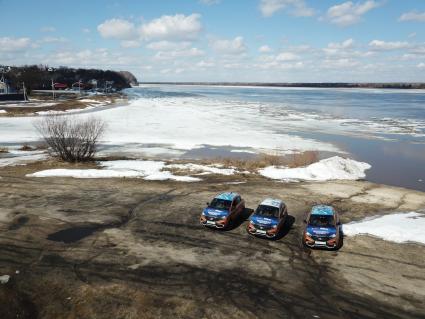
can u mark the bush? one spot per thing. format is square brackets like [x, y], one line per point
[70, 138]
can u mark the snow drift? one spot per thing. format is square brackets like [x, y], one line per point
[399, 227]
[332, 168]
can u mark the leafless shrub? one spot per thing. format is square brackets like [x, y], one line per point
[70, 138]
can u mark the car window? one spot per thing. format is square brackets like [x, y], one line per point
[218, 203]
[321, 220]
[267, 211]
[237, 200]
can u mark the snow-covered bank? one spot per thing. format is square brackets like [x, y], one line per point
[148, 170]
[399, 228]
[332, 168]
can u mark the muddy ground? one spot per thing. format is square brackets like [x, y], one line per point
[129, 248]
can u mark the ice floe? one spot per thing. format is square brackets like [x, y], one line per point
[399, 227]
[16, 157]
[332, 168]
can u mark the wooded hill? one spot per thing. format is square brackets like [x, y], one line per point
[38, 77]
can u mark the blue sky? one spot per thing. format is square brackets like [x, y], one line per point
[222, 40]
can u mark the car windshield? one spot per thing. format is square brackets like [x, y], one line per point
[267, 211]
[321, 220]
[218, 203]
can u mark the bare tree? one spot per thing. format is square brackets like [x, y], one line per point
[71, 138]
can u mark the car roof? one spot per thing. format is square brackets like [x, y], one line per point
[272, 202]
[227, 196]
[323, 210]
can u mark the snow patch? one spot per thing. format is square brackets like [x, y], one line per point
[205, 169]
[4, 279]
[398, 228]
[332, 168]
[3, 111]
[148, 170]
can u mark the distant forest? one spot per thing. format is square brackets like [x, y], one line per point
[392, 85]
[39, 77]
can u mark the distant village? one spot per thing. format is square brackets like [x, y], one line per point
[17, 83]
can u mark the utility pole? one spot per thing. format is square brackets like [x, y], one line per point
[53, 89]
[25, 91]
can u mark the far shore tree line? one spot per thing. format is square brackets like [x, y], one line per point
[39, 77]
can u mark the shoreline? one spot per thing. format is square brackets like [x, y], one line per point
[389, 85]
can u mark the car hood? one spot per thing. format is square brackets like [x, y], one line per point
[212, 212]
[266, 221]
[321, 231]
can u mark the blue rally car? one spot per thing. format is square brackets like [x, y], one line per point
[223, 209]
[268, 218]
[323, 228]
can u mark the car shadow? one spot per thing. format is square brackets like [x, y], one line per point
[241, 219]
[290, 220]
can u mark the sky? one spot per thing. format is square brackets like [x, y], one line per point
[222, 40]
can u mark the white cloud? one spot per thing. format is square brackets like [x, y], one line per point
[287, 56]
[168, 45]
[225, 46]
[130, 44]
[14, 44]
[412, 35]
[177, 27]
[349, 13]
[265, 49]
[334, 48]
[421, 65]
[85, 30]
[386, 46]
[205, 64]
[412, 16]
[171, 55]
[294, 7]
[117, 29]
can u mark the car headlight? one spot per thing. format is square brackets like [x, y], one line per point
[332, 236]
[223, 217]
[307, 233]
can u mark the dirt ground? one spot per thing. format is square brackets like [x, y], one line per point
[129, 248]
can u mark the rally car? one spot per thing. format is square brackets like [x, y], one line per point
[268, 219]
[223, 209]
[323, 228]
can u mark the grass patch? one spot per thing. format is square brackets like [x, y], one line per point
[264, 160]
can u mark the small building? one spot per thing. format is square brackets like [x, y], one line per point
[60, 86]
[4, 87]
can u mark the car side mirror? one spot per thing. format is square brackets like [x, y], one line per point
[208, 204]
[305, 221]
[339, 223]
